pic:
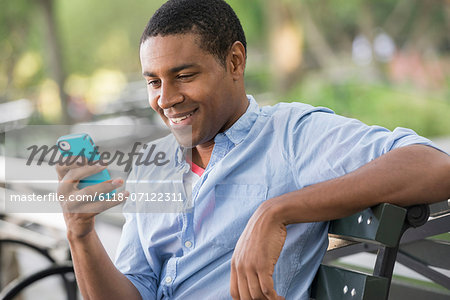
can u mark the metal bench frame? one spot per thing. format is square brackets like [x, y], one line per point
[381, 228]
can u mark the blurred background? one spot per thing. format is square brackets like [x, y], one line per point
[67, 62]
[385, 62]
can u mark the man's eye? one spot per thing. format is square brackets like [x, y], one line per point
[185, 76]
[153, 83]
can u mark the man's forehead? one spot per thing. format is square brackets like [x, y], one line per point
[174, 47]
[171, 51]
[169, 44]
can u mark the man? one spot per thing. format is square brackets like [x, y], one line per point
[264, 179]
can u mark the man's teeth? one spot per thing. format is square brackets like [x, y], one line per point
[178, 120]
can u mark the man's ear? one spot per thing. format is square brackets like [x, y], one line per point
[236, 61]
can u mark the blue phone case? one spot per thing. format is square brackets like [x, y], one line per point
[81, 144]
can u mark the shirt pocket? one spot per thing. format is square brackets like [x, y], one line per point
[234, 205]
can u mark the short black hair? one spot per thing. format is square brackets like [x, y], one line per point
[213, 20]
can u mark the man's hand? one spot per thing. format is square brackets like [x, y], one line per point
[79, 215]
[97, 277]
[254, 258]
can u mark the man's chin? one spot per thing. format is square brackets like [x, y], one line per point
[183, 135]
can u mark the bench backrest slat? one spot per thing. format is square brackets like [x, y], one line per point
[382, 225]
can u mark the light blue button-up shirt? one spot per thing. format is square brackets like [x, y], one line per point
[269, 151]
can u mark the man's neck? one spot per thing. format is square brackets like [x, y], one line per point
[201, 154]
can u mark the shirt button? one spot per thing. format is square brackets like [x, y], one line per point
[168, 279]
[188, 244]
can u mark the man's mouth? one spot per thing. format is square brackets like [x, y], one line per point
[179, 120]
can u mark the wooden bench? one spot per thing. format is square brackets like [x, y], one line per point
[380, 227]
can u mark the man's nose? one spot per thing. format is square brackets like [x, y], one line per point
[169, 96]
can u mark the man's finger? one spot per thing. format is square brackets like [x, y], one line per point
[254, 287]
[89, 204]
[91, 199]
[103, 187]
[102, 205]
[267, 287]
[242, 282]
[73, 162]
[75, 175]
[234, 290]
[68, 163]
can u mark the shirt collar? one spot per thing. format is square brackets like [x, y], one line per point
[236, 133]
[239, 130]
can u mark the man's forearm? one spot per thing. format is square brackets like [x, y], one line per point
[96, 275]
[405, 176]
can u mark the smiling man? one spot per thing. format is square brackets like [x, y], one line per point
[187, 87]
[265, 179]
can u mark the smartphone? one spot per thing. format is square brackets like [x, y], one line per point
[81, 144]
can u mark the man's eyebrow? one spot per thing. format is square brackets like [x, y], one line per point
[172, 70]
[182, 67]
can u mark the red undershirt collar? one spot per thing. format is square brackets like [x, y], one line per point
[196, 169]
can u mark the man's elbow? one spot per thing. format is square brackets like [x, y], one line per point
[447, 175]
[440, 166]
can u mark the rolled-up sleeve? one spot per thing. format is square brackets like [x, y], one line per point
[131, 261]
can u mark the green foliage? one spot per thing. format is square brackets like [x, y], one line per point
[251, 15]
[103, 33]
[20, 33]
[12, 14]
[379, 104]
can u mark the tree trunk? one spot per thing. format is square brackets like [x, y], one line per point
[55, 55]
